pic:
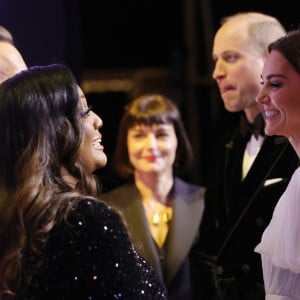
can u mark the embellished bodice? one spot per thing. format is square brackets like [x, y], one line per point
[91, 257]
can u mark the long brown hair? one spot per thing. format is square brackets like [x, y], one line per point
[41, 130]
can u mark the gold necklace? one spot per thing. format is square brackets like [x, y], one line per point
[159, 217]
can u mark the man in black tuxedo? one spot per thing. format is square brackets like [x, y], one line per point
[252, 170]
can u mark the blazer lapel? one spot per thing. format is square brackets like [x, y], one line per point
[188, 208]
[128, 200]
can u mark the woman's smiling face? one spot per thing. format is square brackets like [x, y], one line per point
[92, 151]
[279, 96]
[152, 149]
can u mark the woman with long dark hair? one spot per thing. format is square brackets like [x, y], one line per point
[56, 240]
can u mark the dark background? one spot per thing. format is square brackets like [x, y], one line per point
[119, 49]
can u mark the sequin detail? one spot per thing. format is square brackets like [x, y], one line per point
[92, 258]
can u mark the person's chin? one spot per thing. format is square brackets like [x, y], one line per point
[102, 162]
[232, 108]
[272, 131]
[231, 105]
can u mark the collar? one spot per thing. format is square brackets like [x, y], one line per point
[256, 128]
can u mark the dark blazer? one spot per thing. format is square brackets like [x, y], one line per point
[238, 211]
[172, 263]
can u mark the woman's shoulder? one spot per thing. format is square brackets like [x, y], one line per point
[92, 208]
[93, 217]
[120, 194]
[184, 186]
[89, 254]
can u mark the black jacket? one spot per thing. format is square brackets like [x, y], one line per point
[238, 211]
[173, 263]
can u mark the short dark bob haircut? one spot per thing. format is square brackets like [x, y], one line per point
[147, 110]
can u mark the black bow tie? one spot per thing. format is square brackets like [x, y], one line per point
[256, 128]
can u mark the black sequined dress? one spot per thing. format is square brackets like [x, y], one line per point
[91, 258]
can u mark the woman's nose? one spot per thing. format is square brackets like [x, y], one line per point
[151, 140]
[98, 123]
[262, 97]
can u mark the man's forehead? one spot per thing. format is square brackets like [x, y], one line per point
[11, 61]
[9, 51]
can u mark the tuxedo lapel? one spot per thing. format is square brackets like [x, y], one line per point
[262, 169]
[231, 178]
[256, 176]
[270, 151]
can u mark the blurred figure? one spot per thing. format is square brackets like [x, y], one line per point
[280, 97]
[252, 170]
[5, 35]
[57, 241]
[11, 61]
[162, 212]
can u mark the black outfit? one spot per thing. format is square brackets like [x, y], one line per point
[172, 262]
[237, 213]
[90, 257]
